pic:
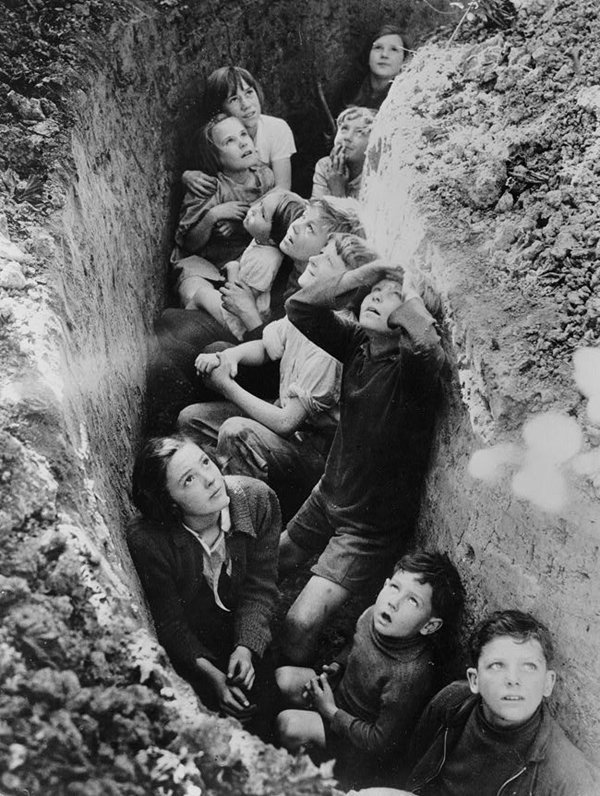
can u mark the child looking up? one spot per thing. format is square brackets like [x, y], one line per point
[387, 674]
[363, 510]
[235, 91]
[284, 443]
[494, 734]
[267, 221]
[182, 334]
[340, 172]
[241, 179]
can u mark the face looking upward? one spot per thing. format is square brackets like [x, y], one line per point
[403, 607]
[244, 104]
[306, 236]
[234, 145]
[512, 677]
[322, 266]
[259, 218]
[353, 135]
[386, 56]
[385, 297]
[195, 484]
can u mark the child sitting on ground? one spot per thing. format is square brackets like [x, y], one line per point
[200, 251]
[366, 719]
[267, 221]
[362, 512]
[494, 734]
[284, 443]
[340, 172]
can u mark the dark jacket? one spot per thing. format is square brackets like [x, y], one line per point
[169, 562]
[554, 767]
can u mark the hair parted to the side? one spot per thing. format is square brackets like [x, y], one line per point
[393, 30]
[288, 209]
[209, 154]
[519, 625]
[149, 480]
[222, 83]
[340, 214]
[447, 590]
[353, 249]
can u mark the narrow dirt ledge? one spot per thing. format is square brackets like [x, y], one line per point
[483, 168]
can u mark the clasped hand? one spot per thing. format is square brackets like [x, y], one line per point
[233, 687]
[318, 694]
[217, 370]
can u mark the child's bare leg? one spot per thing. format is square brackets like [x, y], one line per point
[299, 728]
[232, 269]
[206, 297]
[317, 601]
[291, 681]
[291, 555]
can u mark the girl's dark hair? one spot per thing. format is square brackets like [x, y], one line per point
[388, 30]
[149, 481]
[224, 82]
[518, 625]
[288, 209]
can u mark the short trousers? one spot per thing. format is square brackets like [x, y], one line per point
[356, 557]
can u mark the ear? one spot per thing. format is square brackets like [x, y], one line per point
[550, 682]
[431, 626]
[472, 678]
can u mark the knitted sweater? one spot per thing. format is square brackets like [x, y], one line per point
[386, 684]
[170, 564]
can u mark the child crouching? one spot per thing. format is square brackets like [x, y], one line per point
[389, 673]
[494, 734]
[267, 221]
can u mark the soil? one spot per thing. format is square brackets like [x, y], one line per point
[79, 711]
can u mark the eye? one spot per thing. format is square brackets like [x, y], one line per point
[495, 666]
[188, 479]
[413, 601]
[249, 92]
[530, 666]
[205, 462]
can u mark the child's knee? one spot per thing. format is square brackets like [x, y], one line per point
[233, 431]
[287, 680]
[287, 730]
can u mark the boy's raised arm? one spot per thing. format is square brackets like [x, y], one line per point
[311, 308]
[413, 317]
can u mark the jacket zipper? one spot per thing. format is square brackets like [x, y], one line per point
[508, 781]
[441, 765]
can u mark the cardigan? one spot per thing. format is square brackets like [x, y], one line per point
[169, 562]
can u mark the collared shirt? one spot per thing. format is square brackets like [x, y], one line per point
[215, 556]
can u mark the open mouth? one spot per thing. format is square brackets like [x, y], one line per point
[372, 310]
[385, 617]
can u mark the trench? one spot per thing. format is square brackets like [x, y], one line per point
[106, 253]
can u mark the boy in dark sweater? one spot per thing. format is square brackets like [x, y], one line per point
[362, 512]
[494, 735]
[387, 674]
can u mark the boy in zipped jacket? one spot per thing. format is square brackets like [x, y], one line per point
[494, 735]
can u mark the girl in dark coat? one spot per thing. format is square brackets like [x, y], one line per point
[205, 548]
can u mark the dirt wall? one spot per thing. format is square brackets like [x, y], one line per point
[463, 162]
